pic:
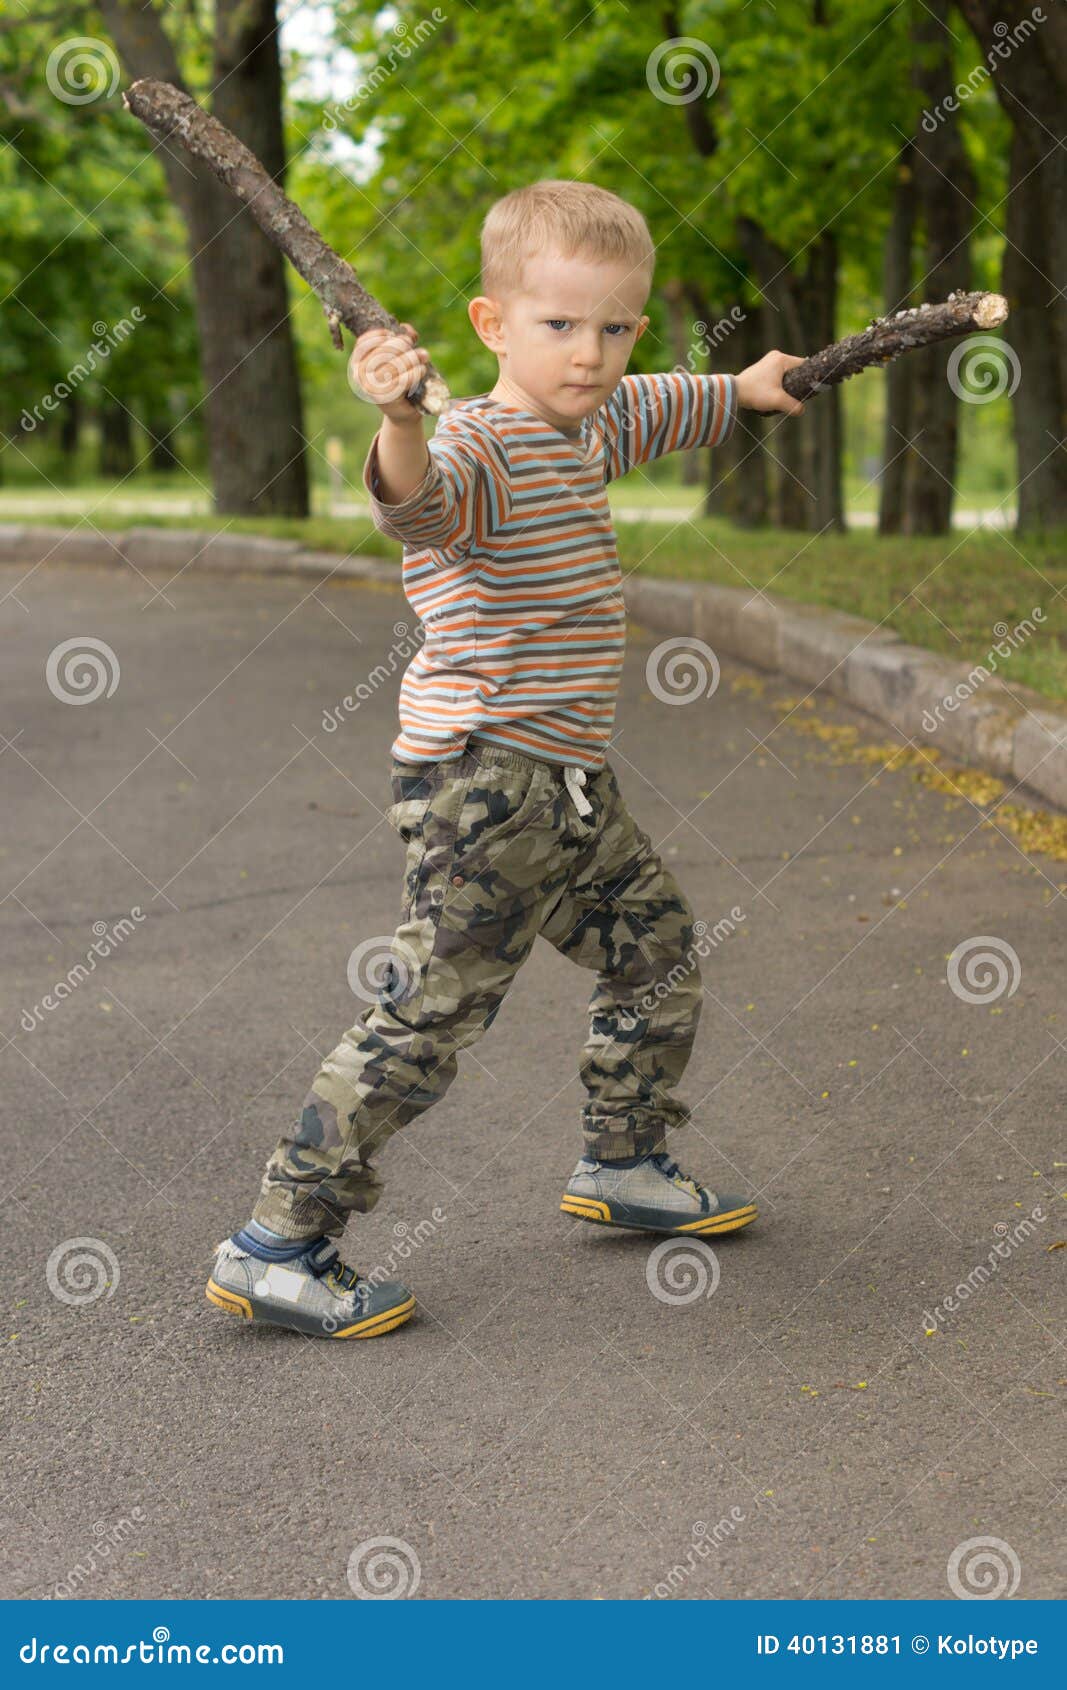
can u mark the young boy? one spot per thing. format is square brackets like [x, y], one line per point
[512, 818]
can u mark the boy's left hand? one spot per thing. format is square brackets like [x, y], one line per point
[759, 388]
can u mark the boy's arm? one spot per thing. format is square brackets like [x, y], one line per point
[652, 415]
[649, 416]
[461, 494]
[402, 459]
[439, 494]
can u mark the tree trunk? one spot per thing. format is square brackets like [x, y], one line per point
[116, 439]
[945, 190]
[162, 457]
[1039, 415]
[736, 484]
[807, 449]
[1031, 85]
[825, 433]
[248, 360]
[70, 422]
[737, 472]
[683, 343]
[897, 286]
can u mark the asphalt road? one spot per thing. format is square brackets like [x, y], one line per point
[547, 1425]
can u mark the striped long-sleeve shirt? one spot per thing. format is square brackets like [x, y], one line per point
[510, 563]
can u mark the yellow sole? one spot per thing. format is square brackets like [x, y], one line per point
[228, 1300]
[233, 1303]
[380, 1322]
[732, 1221]
[586, 1208]
[592, 1209]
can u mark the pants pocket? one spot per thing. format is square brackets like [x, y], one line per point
[500, 809]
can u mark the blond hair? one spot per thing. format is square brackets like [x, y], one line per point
[578, 218]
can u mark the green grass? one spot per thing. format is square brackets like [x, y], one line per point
[946, 594]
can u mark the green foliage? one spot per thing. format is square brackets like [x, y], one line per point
[93, 250]
[415, 119]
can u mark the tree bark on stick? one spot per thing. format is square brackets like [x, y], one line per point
[888, 337]
[174, 116]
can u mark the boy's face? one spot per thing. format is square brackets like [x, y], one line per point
[565, 338]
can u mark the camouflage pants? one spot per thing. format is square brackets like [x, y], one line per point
[497, 854]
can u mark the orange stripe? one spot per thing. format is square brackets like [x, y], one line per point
[494, 458]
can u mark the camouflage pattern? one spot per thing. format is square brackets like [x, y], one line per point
[497, 854]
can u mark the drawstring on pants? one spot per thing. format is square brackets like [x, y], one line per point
[574, 780]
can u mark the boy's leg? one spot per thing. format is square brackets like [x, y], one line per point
[481, 868]
[625, 915]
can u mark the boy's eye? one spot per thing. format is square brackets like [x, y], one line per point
[612, 328]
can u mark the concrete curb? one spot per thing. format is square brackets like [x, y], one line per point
[1018, 735]
[178, 549]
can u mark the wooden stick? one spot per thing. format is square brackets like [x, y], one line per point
[888, 337]
[175, 116]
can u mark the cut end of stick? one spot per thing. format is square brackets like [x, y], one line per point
[434, 397]
[143, 85]
[991, 310]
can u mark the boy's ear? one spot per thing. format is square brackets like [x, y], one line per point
[487, 320]
[641, 327]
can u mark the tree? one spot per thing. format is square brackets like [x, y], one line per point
[898, 292]
[252, 390]
[94, 302]
[934, 198]
[1027, 60]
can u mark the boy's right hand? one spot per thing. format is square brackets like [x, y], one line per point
[383, 368]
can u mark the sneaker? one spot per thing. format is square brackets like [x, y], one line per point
[314, 1293]
[650, 1194]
